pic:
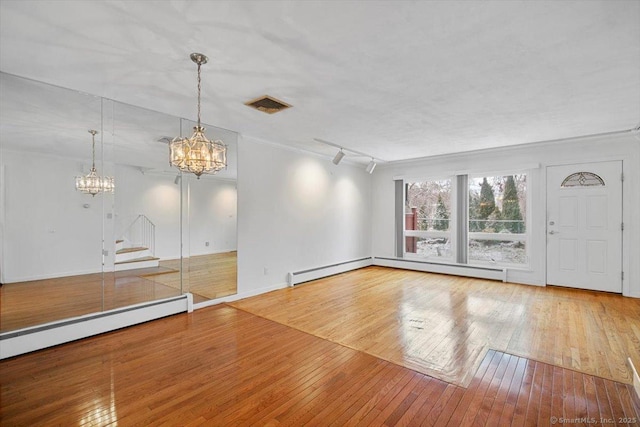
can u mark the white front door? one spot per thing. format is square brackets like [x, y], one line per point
[584, 220]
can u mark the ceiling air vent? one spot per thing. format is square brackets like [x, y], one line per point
[267, 104]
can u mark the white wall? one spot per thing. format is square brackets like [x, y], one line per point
[213, 207]
[624, 147]
[297, 211]
[157, 197]
[49, 233]
[210, 210]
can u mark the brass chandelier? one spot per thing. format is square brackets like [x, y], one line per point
[94, 183]
[198, 155]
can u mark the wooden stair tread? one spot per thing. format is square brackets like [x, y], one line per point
[127, 250]
[146, 258]
[156, 271]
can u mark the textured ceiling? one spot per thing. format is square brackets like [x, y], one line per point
[395, 79]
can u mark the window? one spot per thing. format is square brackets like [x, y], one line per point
[469, 219]
[497, 220]
[427, 219]
[583, 179]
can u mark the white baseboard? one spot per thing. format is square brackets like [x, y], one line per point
[325, 271]
[14, 343]
[240, 296]
[492, 273]
[217, 251]
[51, 276]
[298, 277]
[517, 276]
[304, 276]
[632, 294]
[636, 378]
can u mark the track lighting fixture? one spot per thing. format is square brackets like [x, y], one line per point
[371, 166]
[338, 158]
[340, 155]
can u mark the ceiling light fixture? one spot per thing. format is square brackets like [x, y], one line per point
[94, 183]
[371, 166]
[198, 155]
[338, 158]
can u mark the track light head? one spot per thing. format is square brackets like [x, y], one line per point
[338, 158]
[371, 166]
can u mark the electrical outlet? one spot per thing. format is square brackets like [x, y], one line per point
[206, 243]
[266, 271]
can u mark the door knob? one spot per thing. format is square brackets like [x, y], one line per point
[553, 232]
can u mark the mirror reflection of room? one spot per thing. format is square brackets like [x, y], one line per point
[68, 250]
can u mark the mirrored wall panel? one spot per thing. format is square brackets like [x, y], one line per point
[210, 245]
[93, 217]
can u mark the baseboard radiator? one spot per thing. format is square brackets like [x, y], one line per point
[636, 380]
[297, 277]
[21, 341]
[493, 273]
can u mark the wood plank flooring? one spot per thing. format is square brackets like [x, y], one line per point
[220, 366]
[31, 303]
[443, 325]
[206, 276]
[40, 301]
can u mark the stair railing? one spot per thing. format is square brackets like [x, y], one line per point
[142, 233]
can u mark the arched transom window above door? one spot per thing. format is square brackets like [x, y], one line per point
[582, 179]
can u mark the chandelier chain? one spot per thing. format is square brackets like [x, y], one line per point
[93, 150]
[199, 89]
[197, 154]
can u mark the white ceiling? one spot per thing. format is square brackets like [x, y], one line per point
[395, 79]
[41, 118]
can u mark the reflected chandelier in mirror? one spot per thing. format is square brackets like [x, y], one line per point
[94, 183]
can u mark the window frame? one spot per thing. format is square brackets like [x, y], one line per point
[451, 233]
[503, 237]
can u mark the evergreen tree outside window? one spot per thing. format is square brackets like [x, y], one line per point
[511, 208]
[497, 225]
[487, 200]
[441, 221]
[496, 228]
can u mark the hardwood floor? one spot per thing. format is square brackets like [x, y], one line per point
[444, 325]
[209, 276]
[220, 366]
[31, 303]
[40, 301]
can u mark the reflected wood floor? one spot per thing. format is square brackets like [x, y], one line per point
[35, 302]
[209, 276]
[220, 366]
[444, 325]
